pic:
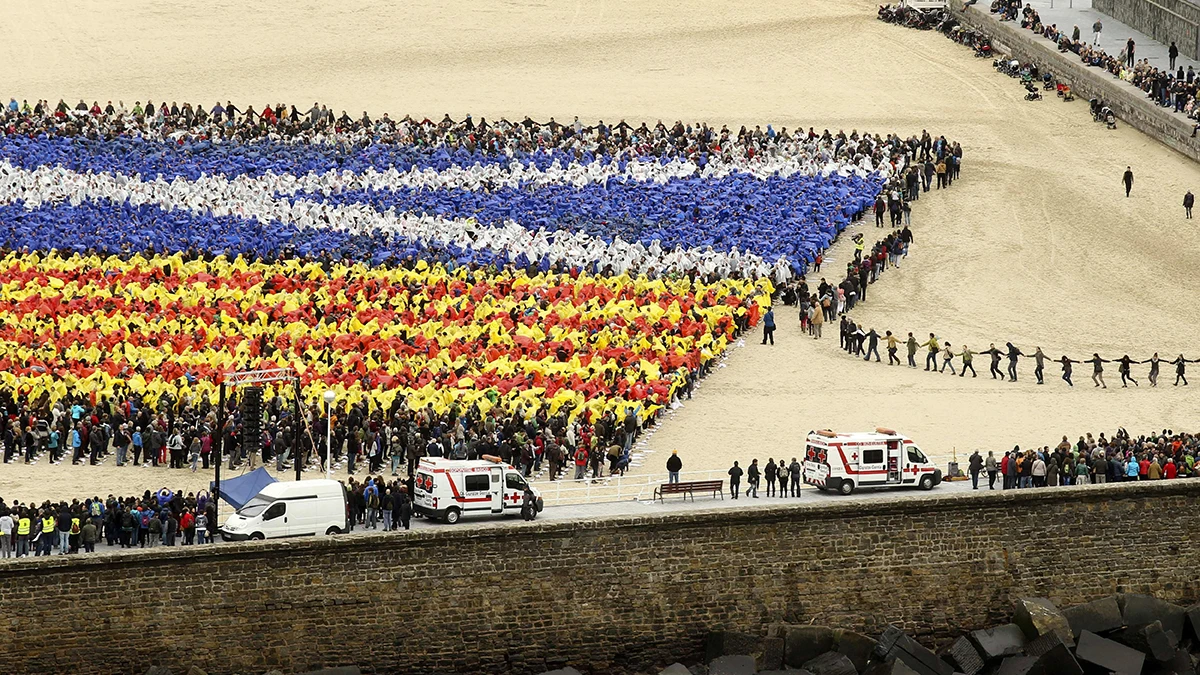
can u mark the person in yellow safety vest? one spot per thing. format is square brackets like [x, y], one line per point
[23, 527]
[73, 540]
[858, 247]
[46, 540]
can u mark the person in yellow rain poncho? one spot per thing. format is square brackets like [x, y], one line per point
[167, 328]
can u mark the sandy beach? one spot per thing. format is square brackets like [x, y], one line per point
[1036, 243]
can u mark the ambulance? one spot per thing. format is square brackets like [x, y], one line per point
[448, 489]
[883, 458]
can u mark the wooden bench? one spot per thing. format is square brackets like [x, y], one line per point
[716, 487]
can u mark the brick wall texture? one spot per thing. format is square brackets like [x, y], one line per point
[1163, 20]
[606, 595]
[1128, 102]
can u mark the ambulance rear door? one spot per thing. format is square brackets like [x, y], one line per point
[895, 461]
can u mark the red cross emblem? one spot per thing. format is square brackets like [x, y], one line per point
[854, 456]
[915, 470]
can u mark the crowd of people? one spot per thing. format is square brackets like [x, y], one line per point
[1091, 460]
[930, 165]
[168, 518]
[1167, 87]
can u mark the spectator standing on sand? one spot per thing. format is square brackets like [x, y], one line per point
[974, 466]
[769, 327]
[1127, 179]
[735, 479]
[674, 464]
[1189, 200]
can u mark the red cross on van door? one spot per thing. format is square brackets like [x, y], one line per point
[854, 456]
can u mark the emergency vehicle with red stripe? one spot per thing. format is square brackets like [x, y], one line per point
[882, 458]
[448, 489]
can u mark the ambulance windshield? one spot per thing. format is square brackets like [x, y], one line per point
[513, 481]
[916, 456]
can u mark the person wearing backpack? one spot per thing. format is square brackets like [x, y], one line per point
[128, 529]
[154, 529]
[372, 497]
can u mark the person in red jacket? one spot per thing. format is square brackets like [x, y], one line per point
[187, 523]
[1170, 470]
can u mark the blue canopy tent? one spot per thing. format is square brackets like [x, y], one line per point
[237, 491]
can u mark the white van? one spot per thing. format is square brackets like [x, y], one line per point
[449, 489]
[882, 458]
[292, 509]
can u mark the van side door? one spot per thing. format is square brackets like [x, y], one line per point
[895, 461]
[275, 520]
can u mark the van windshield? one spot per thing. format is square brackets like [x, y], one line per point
[255, 506]
[915, 455]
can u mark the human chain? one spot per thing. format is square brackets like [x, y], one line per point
[858, 341]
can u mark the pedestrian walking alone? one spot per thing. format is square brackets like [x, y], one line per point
[769, 327]
[1127, 179]
[1189, 200]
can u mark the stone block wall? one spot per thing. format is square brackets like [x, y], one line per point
[606, 595]
[1128, 102]
[1163, 20]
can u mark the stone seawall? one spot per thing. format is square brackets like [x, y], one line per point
[611, 595]
[1163, 20]
[1128, 102]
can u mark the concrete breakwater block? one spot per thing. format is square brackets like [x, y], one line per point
[1097, 616]
[999, 642]
[733, 665]
[900, 647]
[1039, 616]
[1053, 655]
[1138, 609]
[855, 646]
[1109, 654]
[963, 655]
[831, 663]
[805, 643]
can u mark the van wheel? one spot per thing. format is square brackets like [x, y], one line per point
[333, 530]
[257, 536]
[452, 515]
[846, 487]
[927, 482]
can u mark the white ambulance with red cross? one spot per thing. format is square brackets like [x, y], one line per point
[449, 489]
[882, 458]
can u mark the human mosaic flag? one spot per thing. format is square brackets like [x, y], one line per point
[429, 274]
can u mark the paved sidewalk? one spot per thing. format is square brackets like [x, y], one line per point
[1069, 13]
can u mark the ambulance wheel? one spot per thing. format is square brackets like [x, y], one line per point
[927, 482]
[257, 536]
[333, 530]
[452, 515]
[846, 487]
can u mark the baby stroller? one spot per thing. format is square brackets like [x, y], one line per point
[1110, 119]
[1096, 107]
[1032, 93]
[1064, 90]
[1047, 82]
[983, 50]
